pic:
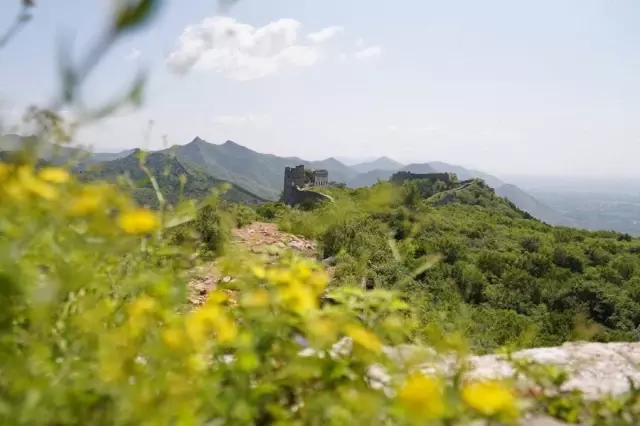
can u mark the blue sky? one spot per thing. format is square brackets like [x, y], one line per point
[532, 87]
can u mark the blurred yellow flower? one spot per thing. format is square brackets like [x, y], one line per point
[302, 270]
[5, 169]
[196, 328]
[364, 338]
[42, 189]
[258, 271]
[255, 299]
[226, 329]
[36, 186]
[209, 319]
[279, 275]
[85, 204]
[172, 337]
[14, 190]
[318, 281]
[322, 328]
[217, 297]
[143, 305]
[491, 398]
[54, 175]
[423, 396]
[299, 297]
[139, 221]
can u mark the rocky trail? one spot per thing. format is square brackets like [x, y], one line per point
[258, 238]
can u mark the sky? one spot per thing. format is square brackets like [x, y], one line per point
[543, 87]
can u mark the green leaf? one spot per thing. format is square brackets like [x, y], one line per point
[134, 14]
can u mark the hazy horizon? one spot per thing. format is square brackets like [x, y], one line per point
[546, 88]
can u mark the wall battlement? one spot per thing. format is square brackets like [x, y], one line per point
[400, 177]
[295, 178]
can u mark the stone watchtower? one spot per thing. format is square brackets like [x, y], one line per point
[295, 192]
[320, 178]
[293, 177]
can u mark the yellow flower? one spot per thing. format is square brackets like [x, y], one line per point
[322, 328]
[364, 338]
[34, 185]
[5, 169]
[210, 319]
[141, 306]
[226, 329]
[318, 281]
[491, 398]
[423, 396]
[43, 190]
[14, 190]
[299, 297]
[217, 297]
[258, 271]
[85, 204]
[54, 175]
[172, 337]
[255, 299]
[279, 276]
[139, 221]
[196, 328]
[302, 271]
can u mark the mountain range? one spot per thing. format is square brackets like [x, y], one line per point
[254, 176]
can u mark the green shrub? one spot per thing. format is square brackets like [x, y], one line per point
[269, 211]
[214, 229]
[242, 214]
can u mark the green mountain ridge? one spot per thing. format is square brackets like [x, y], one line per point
[167, 170]
[262, 175]
[382, 163]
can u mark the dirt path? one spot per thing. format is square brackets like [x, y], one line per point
[259, 237]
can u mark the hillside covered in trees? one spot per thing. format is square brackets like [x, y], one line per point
[503, 277]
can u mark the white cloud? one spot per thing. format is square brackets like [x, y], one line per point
[133, 55]
[243, 52]
[369, 52]
[360, 42]
[325, 34]
[240, 120]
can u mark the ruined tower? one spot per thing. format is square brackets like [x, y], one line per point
[293, 176]
[320, 178]
[295, 193]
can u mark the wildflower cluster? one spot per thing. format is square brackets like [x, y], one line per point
[96, 331]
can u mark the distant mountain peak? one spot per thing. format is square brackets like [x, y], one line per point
[197, 141]
[334, 160]
[381, 163]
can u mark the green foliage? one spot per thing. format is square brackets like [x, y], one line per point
[212, 229]
[269, 211]
[242, 214]
[495, 261]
